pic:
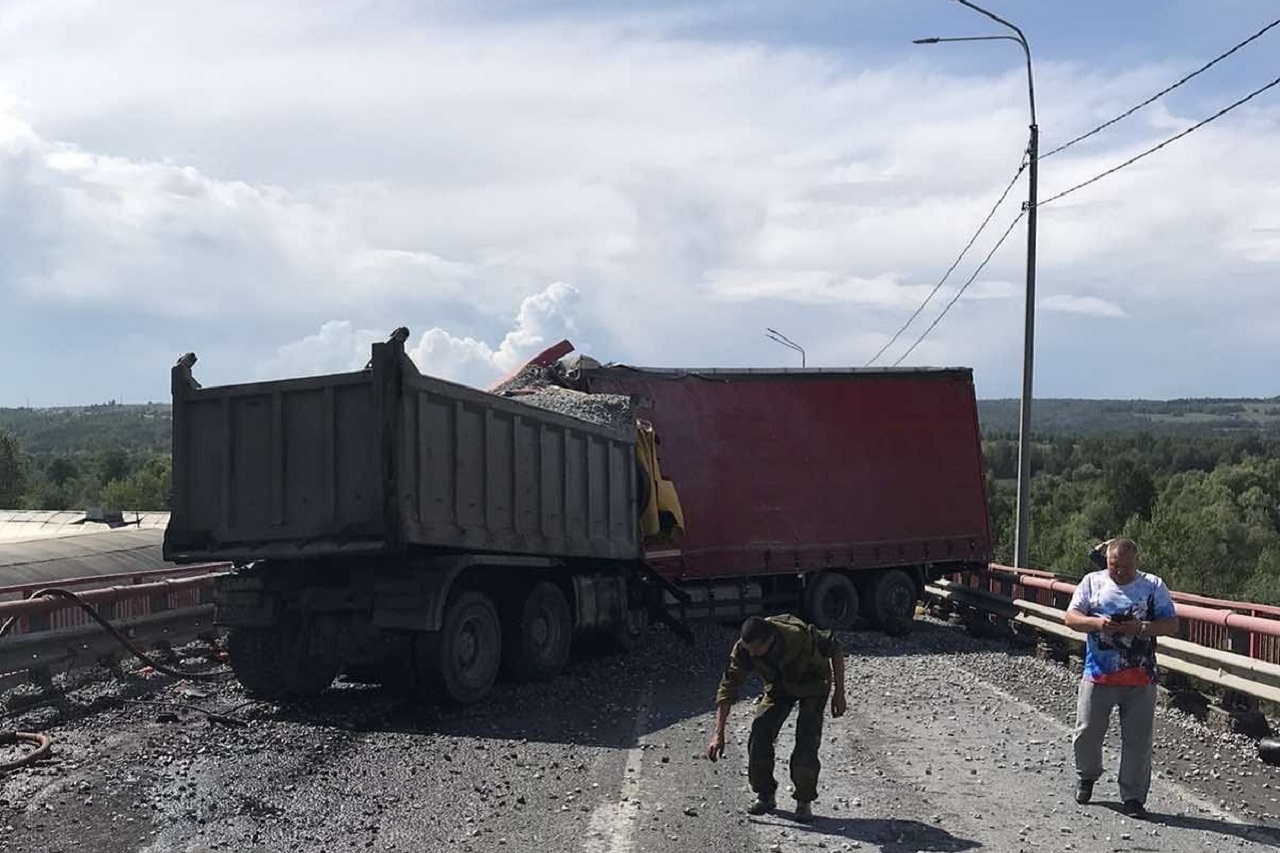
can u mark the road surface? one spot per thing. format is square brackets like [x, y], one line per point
[950, 744]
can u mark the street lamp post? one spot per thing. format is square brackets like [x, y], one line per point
[779, 338]
[1021, 539]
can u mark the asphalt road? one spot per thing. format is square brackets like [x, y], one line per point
[950, 744]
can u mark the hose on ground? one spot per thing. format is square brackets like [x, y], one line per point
[55, 592]
[42, 742]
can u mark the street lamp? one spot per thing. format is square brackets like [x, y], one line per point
[779, 338]
[1020, 537]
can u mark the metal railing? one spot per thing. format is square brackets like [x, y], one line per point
[140, 597]
[1229, 644]
[167, 606]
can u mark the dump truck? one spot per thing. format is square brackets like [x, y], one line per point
[430, 536]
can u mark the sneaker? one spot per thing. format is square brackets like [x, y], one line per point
[804, 812]
[1135, 809]
[1084, 791]
[762, 805]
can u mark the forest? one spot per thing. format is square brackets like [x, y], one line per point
[1195, 482]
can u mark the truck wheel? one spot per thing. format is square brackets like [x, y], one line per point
[832, 601]
[536, 645]
[465, 655]
[893, 601]
[277, 662]
[254, 656]
[626, 636]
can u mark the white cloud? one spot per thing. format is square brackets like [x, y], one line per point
[1092, 306]
[336, 348]
[992, 290]
[543, 319]
[380, 164]
[814, 287]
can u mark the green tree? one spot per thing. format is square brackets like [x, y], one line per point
[60, 469]
[13, 479]
[113, 464]
[145, 489]
[1129, 490]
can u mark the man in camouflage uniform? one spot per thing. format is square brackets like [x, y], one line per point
[797, 663]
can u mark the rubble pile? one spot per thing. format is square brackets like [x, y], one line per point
[541, 387]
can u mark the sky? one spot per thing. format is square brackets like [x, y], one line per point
[275, 186]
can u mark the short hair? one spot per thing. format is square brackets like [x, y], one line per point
[1122, 546]
[756, 630]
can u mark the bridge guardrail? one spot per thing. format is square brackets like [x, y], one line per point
[44, 617]
[1231, 645]
[165, 606]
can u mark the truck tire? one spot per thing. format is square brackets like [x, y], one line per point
[626, 636]
[254, 659]
[464, 656]
[535, 646]
[892, 605]
[832, 601]
[275, 663]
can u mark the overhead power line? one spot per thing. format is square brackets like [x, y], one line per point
[1079, 186]
[1219, 114]
[963, 287]
[954, 263]
[1164, 91]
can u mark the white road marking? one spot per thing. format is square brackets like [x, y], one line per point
[613, 823]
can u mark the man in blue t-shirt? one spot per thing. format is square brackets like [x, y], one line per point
[1122, 610]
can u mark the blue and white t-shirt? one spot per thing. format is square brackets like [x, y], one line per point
[1116, 658]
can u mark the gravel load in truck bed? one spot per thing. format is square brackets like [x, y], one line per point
[538, 386]
[609, 410]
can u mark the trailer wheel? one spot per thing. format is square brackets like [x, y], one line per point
[832, 601]
[464, 656]
[893, 601]
[537, 645]
[277, 662]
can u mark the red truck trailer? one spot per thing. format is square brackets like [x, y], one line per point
[838, 493]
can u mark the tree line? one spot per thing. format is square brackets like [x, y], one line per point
[112, 478]
[1204, 511]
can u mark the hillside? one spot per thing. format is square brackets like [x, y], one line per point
[90, 429]
[148, 427]
[1196, 417]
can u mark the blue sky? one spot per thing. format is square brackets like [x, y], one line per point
[274, 187]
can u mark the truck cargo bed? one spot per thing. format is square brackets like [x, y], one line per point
[386, 460]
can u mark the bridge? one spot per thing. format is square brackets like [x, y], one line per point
[957, 736]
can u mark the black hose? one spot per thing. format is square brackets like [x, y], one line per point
[43, 742]
[54, 592]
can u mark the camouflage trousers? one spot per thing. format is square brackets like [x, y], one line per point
[771, 712]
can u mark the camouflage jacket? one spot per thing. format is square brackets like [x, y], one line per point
[797, 665]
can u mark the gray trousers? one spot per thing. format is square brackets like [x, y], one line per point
[1137, 706]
